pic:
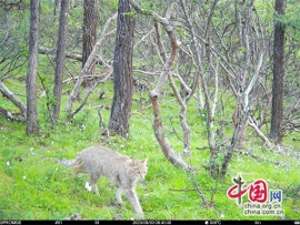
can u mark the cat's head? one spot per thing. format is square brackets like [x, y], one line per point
[141, 168]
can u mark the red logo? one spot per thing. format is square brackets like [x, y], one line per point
[257, 191]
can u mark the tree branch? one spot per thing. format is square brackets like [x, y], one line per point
[11, 96]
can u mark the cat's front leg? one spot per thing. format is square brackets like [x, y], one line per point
[95, 189]
[133, 199]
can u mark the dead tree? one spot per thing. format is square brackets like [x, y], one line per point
[60, 57]
[85, 71]
[32, 116]
[278, 74]
[242, 71]
[166, 75]
[182, 96]
[175, 158]
[245, 77]
[210, 104]
[122, 71]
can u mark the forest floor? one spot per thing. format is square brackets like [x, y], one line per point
[34, 186]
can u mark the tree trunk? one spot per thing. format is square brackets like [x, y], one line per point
[278, 73]
[90, 18]
[237, 134]
[60, 57]
[122, 71]
[31, 118]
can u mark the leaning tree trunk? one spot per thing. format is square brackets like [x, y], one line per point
[60, 57]
[278, 73]
[90, 18]
[31, 117]
[122, 71]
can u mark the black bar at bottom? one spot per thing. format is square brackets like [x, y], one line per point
[149, 222]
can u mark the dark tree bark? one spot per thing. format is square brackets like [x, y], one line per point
[60, 57]
[31, 117]
[90, 21]
[122, 71]
[278, 73]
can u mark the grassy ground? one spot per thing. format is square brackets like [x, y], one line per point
[34, 186]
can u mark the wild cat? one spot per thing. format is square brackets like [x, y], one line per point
[124, 172]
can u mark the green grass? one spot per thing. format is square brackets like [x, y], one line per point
[34, 186]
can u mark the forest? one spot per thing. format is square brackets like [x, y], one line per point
[199, 100]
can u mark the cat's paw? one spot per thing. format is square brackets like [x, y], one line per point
[88, 186]
[118, 216]
[139, 216]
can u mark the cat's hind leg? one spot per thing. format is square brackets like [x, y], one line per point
[93, 182]
[119, 196]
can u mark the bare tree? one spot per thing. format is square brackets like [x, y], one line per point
[278, 73]
[32, 116]
[89, 28]
[185, 93]
[93, 58]
[60, 57]
[242, 70]
[182, 98]
[122, 71]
